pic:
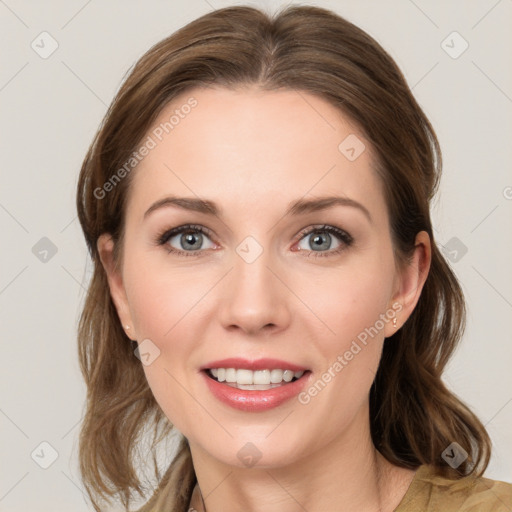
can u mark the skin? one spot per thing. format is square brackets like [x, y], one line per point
[253, 153]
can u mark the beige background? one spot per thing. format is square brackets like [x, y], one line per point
[51, 108]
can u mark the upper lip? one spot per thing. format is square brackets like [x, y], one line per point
[258, 364]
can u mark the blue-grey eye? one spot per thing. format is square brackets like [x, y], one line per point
[319, 240]
[189, 240]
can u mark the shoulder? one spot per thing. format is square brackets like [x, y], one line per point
[430, 492]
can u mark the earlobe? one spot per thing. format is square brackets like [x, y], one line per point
[411, 280]
[105, 247]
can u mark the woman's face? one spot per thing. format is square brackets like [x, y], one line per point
[265, 279]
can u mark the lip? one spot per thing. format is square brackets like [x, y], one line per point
[258, 364]
[255, 400]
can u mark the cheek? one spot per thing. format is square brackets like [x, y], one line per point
[351, 299]
[162, 297]
[351, 305]
[350, 340]
[163, 305]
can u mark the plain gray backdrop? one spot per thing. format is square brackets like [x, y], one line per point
[62, 63]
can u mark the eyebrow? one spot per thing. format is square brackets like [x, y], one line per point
[299, 207]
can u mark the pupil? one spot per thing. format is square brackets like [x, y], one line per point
[190, 239]
[317, 241]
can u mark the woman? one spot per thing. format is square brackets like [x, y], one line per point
[256, 204]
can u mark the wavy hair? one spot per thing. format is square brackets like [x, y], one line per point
[413, 416]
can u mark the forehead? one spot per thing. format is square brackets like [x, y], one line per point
[256, 148]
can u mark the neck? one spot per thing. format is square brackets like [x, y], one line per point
[344, 474]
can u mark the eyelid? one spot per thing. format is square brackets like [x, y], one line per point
[341, 233]
[169, 233]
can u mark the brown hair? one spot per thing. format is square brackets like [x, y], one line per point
[414, 417]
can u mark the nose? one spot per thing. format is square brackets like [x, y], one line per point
[256, 299]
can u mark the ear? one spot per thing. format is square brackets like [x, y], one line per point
[409, 283]
[105, 247]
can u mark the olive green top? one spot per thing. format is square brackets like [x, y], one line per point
[430, 493]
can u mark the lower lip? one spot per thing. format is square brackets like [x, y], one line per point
[255, 400]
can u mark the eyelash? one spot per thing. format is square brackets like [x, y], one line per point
[344, 237]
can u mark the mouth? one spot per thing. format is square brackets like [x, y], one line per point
[254, 380]
[255, 385]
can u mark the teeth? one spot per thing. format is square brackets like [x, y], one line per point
[249, 377]
[244, 377]
[276, 376]
[230, 375]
